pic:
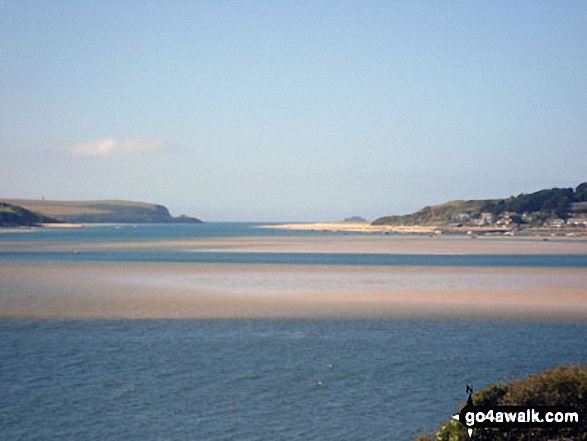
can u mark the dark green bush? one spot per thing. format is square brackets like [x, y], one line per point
[563, 386]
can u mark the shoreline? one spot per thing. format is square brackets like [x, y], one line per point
[63, 225]
[366, 227]
[25, 228]
[327, 243]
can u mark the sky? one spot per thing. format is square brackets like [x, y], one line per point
[291, 110]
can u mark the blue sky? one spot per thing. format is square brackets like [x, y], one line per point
[291, 110]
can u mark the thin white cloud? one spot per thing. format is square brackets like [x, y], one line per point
[110, 147]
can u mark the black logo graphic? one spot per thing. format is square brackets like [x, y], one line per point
[472, 416]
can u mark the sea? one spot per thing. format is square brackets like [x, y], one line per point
[262, 379]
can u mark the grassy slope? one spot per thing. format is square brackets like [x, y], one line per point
[11, 215]
[544, 204]
[100, 211]
[433, 215]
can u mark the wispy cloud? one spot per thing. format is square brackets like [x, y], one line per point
[110, 147]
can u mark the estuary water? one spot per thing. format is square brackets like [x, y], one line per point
[168, 243]
[263, 379]
[258, 380]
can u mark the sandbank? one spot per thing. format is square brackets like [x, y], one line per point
[26, 228]
[357, 227]
[170, 290]
[368, 244]
[366, 227]
[63, 225]
[393, 245]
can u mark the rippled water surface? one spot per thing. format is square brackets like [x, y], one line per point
[254, 379]
[178, 380]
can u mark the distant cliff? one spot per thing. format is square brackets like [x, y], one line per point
[12, 215]
[102, 211]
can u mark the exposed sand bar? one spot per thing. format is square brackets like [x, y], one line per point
[366, 227]
[328, 244]
[63, 225]
[143, 290]
[357, 227]
[395, 245]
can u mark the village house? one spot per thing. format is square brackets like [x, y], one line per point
[461, 218]
[555, 223]
[485, 219]
[577, 222]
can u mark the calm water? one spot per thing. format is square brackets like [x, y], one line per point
[178, 380]
[153, 233]
[127, 233]
[255, 380]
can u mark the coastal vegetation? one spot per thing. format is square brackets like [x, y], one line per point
[563, 386]
[556, 207]
[100, 211]
[11, 215]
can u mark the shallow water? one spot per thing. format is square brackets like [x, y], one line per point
[244, 243]
[256, 379]
[523, 260]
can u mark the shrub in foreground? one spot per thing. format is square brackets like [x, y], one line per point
[563, 386]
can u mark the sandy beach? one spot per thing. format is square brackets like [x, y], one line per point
[24, 229]
[366, 227]
[356, 227]
[142, 290]
[63, 225]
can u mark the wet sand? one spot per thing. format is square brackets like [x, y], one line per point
[148, 290]
[370, 244]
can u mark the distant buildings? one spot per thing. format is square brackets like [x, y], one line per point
[577, 221]
[512, 219]
[461, 218]
[555, 223]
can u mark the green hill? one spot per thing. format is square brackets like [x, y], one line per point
[12, 215]
[102, 211]
[534, 208]
[433, 215]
